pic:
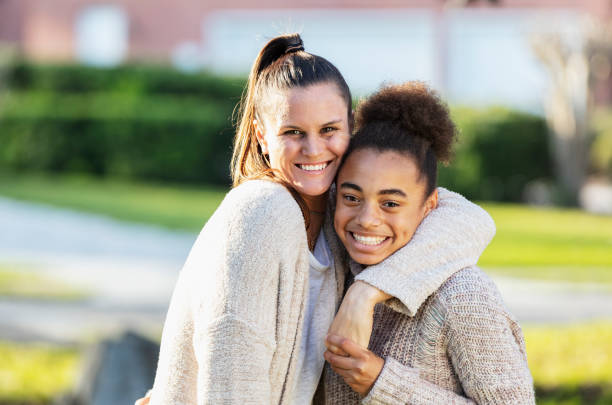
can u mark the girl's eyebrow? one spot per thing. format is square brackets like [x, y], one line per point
[387, 191]
[353, 186]
[393, 191]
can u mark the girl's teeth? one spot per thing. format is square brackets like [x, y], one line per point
[369, 240]
[313, 167]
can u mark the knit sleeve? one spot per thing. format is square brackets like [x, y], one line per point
[400, 384]
[451, 237]
[228, 328]
[485, 346]
[485, 343]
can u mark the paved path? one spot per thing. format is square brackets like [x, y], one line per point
[130, 271]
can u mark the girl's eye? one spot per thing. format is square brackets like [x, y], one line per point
[328, 129]
[350, 198]
[390, 204]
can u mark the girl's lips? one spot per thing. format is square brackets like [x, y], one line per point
[368, 244]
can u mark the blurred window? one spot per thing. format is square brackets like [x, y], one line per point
[101, 35]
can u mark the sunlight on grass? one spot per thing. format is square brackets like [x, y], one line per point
[571, 364]
[570, 355]
[35, 374]
[548, 237]
[575, 274]
[25, 284]
[180, 207]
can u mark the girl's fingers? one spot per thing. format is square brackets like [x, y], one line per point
[341, 362]
[348, 346]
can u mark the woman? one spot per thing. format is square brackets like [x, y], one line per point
[458, 344]
[260, 287]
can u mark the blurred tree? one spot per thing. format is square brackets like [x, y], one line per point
[575, 65]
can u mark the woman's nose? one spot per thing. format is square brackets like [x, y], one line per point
[312, 146]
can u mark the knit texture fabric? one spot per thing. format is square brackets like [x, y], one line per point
[461, 347]
[235, 319]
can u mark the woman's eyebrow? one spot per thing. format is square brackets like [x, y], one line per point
[334, 122]
[392, 191]
[292, 126]
[353, 186]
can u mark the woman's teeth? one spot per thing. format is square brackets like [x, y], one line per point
[369, 240]
[313, 168]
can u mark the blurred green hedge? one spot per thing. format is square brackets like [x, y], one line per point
[154, 123]
[498, 153]
[135, 122]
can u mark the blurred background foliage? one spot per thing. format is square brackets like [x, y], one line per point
[130, 122]
[154, 123]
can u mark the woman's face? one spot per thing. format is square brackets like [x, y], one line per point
[305, 136]
[379, 204]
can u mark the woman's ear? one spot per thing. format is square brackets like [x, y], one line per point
[260, 137]
[431, 203]
[352, 122]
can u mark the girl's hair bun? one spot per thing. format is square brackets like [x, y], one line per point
[416, 110]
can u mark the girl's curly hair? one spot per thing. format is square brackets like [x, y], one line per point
[406, 118]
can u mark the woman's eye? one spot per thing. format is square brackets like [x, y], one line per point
[328, 129]
[293, 132]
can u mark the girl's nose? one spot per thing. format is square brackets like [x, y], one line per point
[369, 216]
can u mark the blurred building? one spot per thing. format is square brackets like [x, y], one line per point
[475, 51]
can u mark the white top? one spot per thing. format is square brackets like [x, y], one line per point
[318, 317]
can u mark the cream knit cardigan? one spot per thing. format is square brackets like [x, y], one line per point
[234, 322]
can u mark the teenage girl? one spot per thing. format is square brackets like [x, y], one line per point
[456, 343]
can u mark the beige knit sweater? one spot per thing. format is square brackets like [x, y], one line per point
[461, 346]
[234, 322]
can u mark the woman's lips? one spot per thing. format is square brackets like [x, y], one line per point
[313, 168]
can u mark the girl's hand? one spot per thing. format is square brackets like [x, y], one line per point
[355, 316]
[359, 369]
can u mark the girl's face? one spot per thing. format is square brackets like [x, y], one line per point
[306, 136]
[379, 204]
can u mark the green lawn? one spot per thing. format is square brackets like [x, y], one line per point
[179, 207]
[549, 244]
[16, 283]
[571, 364]
[35, 374]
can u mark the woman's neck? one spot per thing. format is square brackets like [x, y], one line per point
[316, 204]
[316, 212]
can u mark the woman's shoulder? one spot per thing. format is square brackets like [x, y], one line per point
[258, 204]
[255, 191]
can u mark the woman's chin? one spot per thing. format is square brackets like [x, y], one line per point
[312, 190]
